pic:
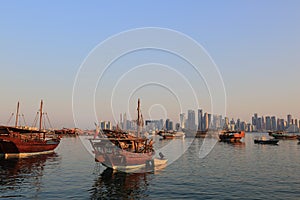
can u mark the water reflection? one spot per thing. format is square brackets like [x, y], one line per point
[18, 172]
[121, 185]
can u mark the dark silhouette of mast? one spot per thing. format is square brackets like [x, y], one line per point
[138, 119]
[41, 115]
[17, 115]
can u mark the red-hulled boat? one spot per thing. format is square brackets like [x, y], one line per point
[25, 141]
[231, 136]
[119, 150]
[124, 152]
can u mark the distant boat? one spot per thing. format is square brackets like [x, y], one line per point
[171, 135]
[65, 131]
[201, 134]
[120, 150]
[264, 140]
[231, 136]
[24, 141]
[283, 135]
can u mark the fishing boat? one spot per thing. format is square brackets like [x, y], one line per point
[201, 134]
[264, 140]
[284, 135]
[120, 150]
[122, 154]
[231, 136]
[25, 141]
[171, 135]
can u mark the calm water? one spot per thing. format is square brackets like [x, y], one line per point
[247, 171]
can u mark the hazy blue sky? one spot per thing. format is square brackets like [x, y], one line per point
[255, 44]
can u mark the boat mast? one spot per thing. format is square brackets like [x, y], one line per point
[41, 115]
[138, 119]
[17, 115]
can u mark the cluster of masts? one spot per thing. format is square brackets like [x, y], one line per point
[41, 116]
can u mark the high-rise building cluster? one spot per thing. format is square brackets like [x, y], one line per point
[204, 121]
[272, 123]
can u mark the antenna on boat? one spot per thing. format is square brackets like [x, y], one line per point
[17, 115]
[41, 115]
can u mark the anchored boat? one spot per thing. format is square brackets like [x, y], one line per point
[264, 140]
[231, 136]
[24, 141]
[121, 150]
[284, 135]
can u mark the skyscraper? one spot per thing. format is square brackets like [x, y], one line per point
[200, 120]
[254, 119]
[182, 120]
[268, 123]
[274, 124]
[209, 121]
[191, 120]
[258, 124]
[167, 124]
[289, 120]
[205, 122]
[263, 123]
[124, 122]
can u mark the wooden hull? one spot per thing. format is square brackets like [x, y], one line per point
[271, 141]
[123, 159]
[173, 135]
[168, 136]
[14, 146]
[284, 136]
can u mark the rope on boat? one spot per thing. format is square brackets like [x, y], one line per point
[23, 117]
[35, 120]
[9, 119]
[48, 120]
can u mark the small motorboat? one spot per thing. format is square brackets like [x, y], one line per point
[264, 140]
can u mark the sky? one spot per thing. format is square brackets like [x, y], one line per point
[254, 44]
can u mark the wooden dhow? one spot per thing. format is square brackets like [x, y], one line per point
[25, 141]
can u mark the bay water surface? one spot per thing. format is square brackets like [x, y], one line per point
[230, 171]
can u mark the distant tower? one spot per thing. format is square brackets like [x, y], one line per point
[191, 120]
[167, 124]
[274, 123]
[124, 122]
[209, 121]
[206, 122]
[200, 120]
[259, 124]
[263, 123]
[254, 119]
[182, 120]
[268, 123]
[289, 120]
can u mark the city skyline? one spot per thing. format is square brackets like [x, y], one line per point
[255, 46]
[206, 121]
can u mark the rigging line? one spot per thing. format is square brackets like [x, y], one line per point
[49, 121]
[35, 120]
[9, 119]
[23, 117]
[44, 121]
[19, 120]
